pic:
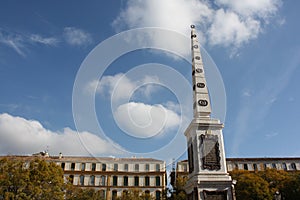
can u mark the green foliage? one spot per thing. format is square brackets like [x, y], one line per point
[41, 180]
[179, 193]
[264, 184]
[76, 193]
[135, 194]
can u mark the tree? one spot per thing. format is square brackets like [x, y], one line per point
[251, 186]
[40, 180]
[76, 193]
[135, 194]
[13, 179]
[179, 193]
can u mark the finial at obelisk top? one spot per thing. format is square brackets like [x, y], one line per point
[201, 107]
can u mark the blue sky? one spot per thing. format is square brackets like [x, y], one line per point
[254, 45]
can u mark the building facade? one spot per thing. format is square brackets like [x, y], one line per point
[249, 164]
[112, 176]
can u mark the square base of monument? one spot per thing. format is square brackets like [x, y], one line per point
[210, 190]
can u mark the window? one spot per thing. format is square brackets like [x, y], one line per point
[102, 180]
[236, 166]
[115, 180]
[73, 166]
[284, 167]
[157, 195]
[93, 166]
[102, 194]
[147, 167]
[125, 194]
[255, 167]
[157, 181]
[147, 181]
[245, 167]
[103, 167]
[265, 166]
[115, 167]
[114, 194]
[157, 167]
[63, 166]
[71, 179]
[185, 167]
[82, 166]
[125, 182]
[81, 179]
[274, 166]
[147, 194]
[293, 166]
[126, 167]
[136, 181]
[92, 180]
[136, 167]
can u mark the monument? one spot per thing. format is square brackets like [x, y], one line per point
[208, 178]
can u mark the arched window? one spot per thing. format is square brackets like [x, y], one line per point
[147, 181]
[125, 194]
[274, 166]
[81, 179]
[115, 167]
[284, 167]
[93, 166]
[63, 166]
[136, 181]
[157, 195]
[125, 181]
[102, 194]
[245, 166]
[92, 180]
[157, 181]
[136, 167]
[157, 167]
[126, 167]
[147, 167]
[71, 179]
[72, 166]
[114, 194]
[293, 166]
[147, 194]
[104, 167]
[254, 166]
[102, 180]
[115, 180]
[82, 166]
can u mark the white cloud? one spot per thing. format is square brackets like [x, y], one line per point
[119, 87]
[14, 41]
[260, 8]
[22, 136]
[228, 29]
[20, 43]
[143, 120]
[77, 37]
[223, 22]
[51, 41]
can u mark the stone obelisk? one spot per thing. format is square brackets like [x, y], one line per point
[208, 178]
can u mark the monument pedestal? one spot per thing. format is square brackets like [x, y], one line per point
[208, 177]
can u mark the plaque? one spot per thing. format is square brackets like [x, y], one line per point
[211, 152]
[202, 102]
[198, 70]
[215, 195]
[200, 85]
